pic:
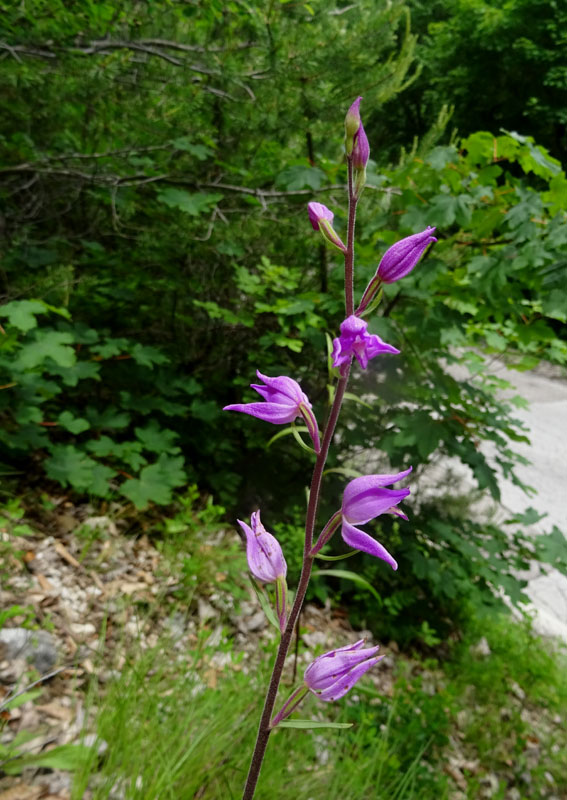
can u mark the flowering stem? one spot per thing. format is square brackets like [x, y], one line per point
[349, 255]
[265, 727]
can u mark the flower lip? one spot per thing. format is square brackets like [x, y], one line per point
[355, 340]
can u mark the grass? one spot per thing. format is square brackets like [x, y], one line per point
[172, 737]
[178, 720]
[172, 733]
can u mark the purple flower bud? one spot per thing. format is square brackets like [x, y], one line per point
[284, 402]
[322, 218]
[399, 260]
[352, 124]
[317, 212]
[331, 675]
[354, 340]
[263, 552]
[361, 149]
[364, 499]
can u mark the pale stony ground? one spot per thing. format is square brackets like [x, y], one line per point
[546, 418]
[546, 421]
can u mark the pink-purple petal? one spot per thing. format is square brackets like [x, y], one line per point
[361, 485]
[346, 682]
[263, 551]
[317, 212]
[362, 541]
[326, 669]
[282, 385]
[275, 413]
[372, 503]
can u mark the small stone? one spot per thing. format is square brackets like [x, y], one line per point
[37, 647]
[481, 648]
[517, 691]
[205, 610]
[82, 629]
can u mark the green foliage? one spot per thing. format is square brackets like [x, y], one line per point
[48, 374]
[497, 63]
[156, 252]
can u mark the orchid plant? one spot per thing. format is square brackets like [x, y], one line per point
[331, 675]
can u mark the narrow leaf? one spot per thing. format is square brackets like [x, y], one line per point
[350, 576]
[311, 723]
[337, 558]
[287, 432]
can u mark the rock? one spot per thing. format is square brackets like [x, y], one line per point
[37, 647]
[205, 610]
[82, 629]
[481, 648]
[517, 691]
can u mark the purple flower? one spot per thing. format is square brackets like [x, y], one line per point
[322, 218]
[284, 402]
[399, 260]
[361, 149]
[331, 675]
[364, 499]
[317, 212]
[355, 340]
[263, 552]
[266, 561]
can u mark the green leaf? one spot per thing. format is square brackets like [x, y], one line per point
[314, 724]
[190, 203]
[200, 151]
[300, 177]
[287, 432]
[337, 558]
[69, 466]
[147, 356]
[350, 576]
[99, 484]
[73, 424]
[22, 313]
[80, 371]
[18, 701]
[67, 757]
[110, 418]
[50, 344]
[156, 482]
[554, 305]
[356, 399]
[160, 440]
